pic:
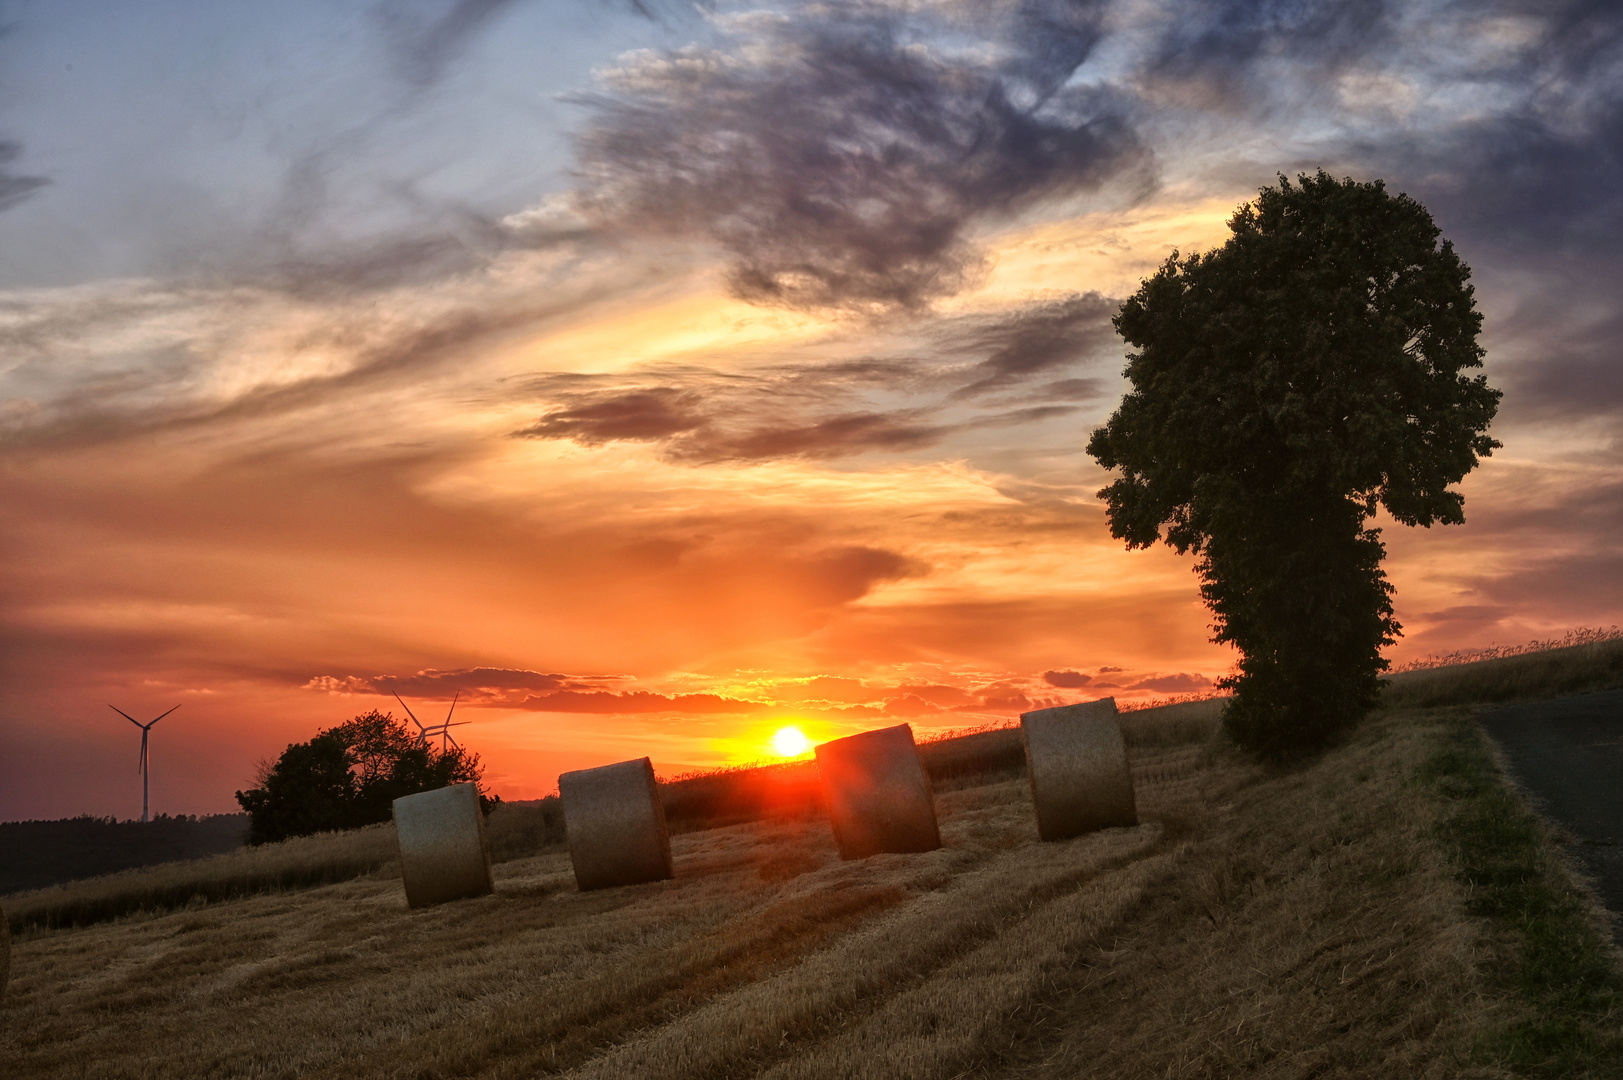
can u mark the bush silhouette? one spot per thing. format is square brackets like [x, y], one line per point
[349, 776]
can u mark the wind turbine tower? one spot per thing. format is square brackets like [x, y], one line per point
[145, 730]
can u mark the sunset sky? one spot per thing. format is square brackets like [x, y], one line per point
[655, 376]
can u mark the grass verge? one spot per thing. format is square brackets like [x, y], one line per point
[1546, 946]
[1545, 673]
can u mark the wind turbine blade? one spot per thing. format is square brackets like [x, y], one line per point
[453, 706]
[141, 768]
[165, 714]
[409, 713]
[128, 717]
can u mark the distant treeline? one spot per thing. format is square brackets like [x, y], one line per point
[34, 854]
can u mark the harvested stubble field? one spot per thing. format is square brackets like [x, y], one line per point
[1324, 919]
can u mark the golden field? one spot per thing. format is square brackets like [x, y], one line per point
[1299, 921]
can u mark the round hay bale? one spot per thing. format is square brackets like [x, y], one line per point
[878, 794]
[1077, 761]
[5, 950]
[615, 825]
[443, 853]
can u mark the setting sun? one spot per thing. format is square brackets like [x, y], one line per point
[790, 742]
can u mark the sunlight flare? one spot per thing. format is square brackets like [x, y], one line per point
[790, 742]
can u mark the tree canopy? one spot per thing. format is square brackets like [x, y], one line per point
[1285, 386]
[349, 776]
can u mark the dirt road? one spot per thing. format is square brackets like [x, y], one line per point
[1568, 754]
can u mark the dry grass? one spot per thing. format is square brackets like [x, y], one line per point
[1173, 725]
[1517, 676]
[1315, 920]
[1584, 635]
[729, 796]
[540, 977]
[1316, 930]
[1273, 923]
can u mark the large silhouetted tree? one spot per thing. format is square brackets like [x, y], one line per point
[349, 776]
[1285, 386]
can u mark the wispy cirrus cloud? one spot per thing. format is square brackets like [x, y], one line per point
[281, 456]
[975, 373]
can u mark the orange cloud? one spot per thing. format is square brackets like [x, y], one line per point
[717, 520]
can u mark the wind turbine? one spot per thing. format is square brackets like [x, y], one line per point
[145, 729]
[442, 730]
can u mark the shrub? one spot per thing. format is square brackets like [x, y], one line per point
[350, 776]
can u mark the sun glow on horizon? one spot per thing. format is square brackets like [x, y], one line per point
[790, 742]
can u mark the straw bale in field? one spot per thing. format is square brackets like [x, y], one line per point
[1077, 761]
[615, 825]
[443, 854]
[878, 793]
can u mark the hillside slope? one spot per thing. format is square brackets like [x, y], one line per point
[1305, 921]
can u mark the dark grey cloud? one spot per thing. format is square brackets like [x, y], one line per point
[1005, 695]
[441, 242]
[719, 424]
[478, 685]
[1503, 117]
[837, 436]
[843, 574]
[1180, 683]
[1528, 183]
[1573, 362]
[658, 412]
[701, 431]
[1069, 680]
[637, 701]
[1583, 586]
[1072, 390]
[1221, 44]
[1531, 196]
[423, 43]
[1530, 166]
[841, 153]
[827, 410]
[14, 186]
[1539, 175]
[1039, 338]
